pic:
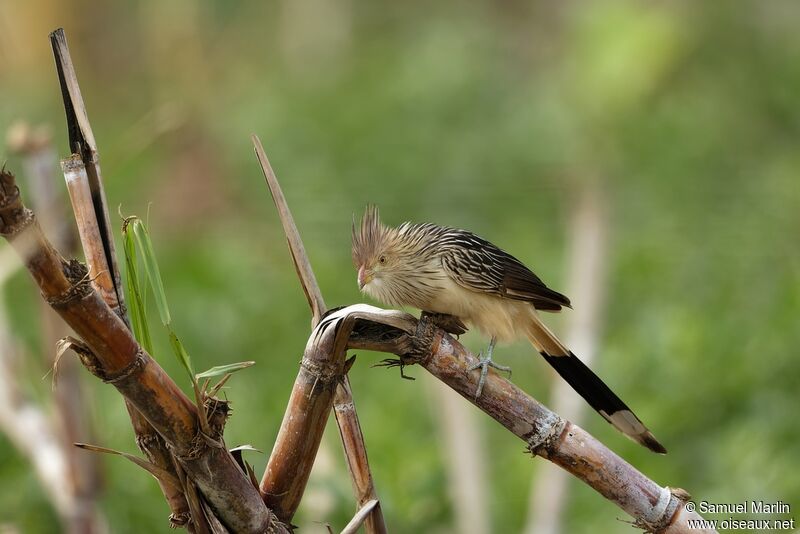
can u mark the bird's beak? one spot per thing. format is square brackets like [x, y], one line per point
[364, 278]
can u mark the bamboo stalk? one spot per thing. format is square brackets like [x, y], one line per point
[655, 508]
[344, 408]
[92, 239]
[82, 143]
[356, 456]
[300, 434]
[114, 356]
[87, 195]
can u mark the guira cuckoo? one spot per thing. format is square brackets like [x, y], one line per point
[454, 272]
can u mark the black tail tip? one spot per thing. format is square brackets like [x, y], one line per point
[649, 440]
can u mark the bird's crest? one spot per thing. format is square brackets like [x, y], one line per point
[368, 237]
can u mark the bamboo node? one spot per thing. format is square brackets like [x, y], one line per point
[217, 413]
[344, 407]
[135, 366]
[78, 275]
[543, 437]
[19, 217]
[197, 448]
[14, 217]
[324, 371]
[662, 514]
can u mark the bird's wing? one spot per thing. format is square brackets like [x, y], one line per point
[478, 265]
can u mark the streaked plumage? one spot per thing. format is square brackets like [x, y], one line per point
[451, 271]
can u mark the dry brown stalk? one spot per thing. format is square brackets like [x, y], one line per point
[356, 456]
[655, 508]
[344, 408]
[114, 356]
[87, 194]
[92, 239]
[296, 248]
[83, 146]
[296, 445]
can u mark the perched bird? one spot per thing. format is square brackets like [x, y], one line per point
[454, 272]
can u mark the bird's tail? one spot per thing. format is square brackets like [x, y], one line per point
[589, 386]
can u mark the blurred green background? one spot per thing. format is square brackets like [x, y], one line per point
[486, 115]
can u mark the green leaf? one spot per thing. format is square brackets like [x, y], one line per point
[180, 353]
[224, 369]
[141, 330]
[151, 267]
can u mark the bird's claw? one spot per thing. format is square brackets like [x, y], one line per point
[449, 323]
[484, 364]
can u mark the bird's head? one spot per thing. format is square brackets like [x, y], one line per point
[393, 264]
[372, 252]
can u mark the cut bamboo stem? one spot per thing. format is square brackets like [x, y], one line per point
[300, 434]
[346, 416]
[87, 195]
[92, 240]
[82, 143]
[114, 355]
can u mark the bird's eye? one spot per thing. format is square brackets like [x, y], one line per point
[382, 259]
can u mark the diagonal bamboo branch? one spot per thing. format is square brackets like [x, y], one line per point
[344, 408]
[87, 195]
[655, 508]
[113, 355]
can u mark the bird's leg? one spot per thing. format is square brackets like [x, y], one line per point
[484, 364]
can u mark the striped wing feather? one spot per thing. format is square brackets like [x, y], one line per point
[478, 265]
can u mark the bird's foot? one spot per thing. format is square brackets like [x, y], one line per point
[395, 362]
[449, 323]
[484, 364]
